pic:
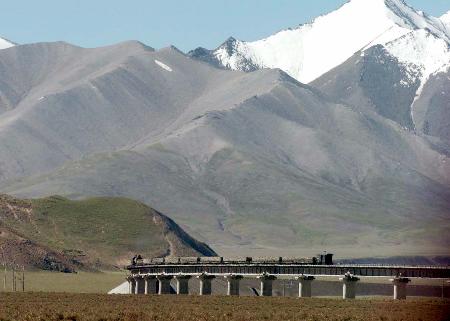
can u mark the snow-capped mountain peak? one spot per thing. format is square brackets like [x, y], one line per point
[312, 49]
[5, 43]
[406, 16]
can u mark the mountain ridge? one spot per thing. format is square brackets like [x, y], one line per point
[275, 157]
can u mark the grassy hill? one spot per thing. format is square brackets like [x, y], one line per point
[57, 233]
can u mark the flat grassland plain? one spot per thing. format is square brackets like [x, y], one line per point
[54, 306]
[102, 282]
[81, 282]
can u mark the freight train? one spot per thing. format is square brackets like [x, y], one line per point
[321, 259]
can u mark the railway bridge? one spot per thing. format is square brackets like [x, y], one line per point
[154, 276]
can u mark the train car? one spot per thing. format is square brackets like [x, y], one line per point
[267, 260]
[172, 260]
[320, 259]
[238, 260]
[211, 259]
[299, 260]
[158, 260]
[189, 260]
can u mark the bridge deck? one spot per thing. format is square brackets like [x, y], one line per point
[288, 270]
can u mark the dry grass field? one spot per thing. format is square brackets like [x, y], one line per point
[102, 282]
[81, 282]
[46, 306]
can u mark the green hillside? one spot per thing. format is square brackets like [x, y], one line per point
[91, 233]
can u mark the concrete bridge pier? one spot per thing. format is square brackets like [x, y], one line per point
[140, 284]
[305, 285]
[182, 283]
[233, 283]
[150, 284]
[266, 284]
[164, 283]
[205, 283]
[131, 284]
[349, 286]
[400, 284]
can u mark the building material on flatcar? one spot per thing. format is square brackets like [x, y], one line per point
[211, 259]
[238, 259]
[188, 260]
[158, 260]
[297, 260]
[173, 260]
[268, 259]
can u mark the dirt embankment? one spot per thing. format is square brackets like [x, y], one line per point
[18, 250]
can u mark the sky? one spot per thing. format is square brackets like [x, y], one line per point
[186, 24]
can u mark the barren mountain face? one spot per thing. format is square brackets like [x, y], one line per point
[248, 162]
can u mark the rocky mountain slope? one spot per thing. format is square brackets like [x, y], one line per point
[55, 233]
[380, 82]
[238, 159]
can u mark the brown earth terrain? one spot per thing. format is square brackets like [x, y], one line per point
[40, 306]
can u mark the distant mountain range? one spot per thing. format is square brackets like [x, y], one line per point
[250, 160]
[404, 37]
[310, 50]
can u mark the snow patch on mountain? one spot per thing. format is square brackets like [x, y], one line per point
[163, 65]
[422, 51]
[313, 49]
[445, 19]
[5, 43]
